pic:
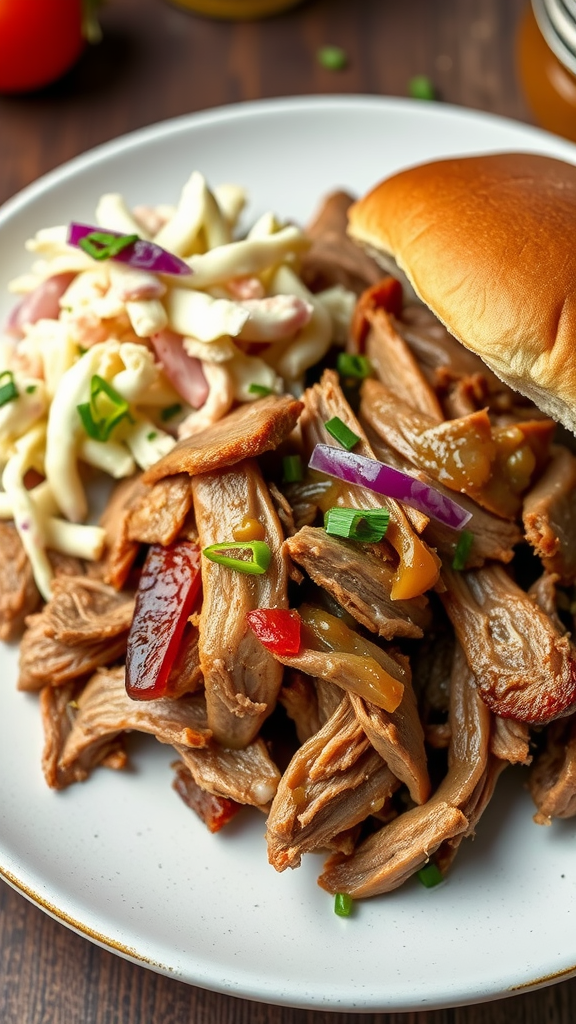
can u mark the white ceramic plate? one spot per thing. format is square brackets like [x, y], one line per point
[120, 858]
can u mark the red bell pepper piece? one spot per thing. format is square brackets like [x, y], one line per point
[166, 596]
[277, 629]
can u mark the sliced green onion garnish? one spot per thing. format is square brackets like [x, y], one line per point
[104, 411]
[101, 245]
[430, 875]
[343, 904]
[259, 389]
[8, 389]
[333, 58]
[338, 429]
[350, 365]
[367, 525]
[31, 389]
[292, 469]
[255, 566]
[462, 551]
[170, 411]
[151, 436]
[420, 88]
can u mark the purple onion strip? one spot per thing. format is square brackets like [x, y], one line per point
[142, 255]
[390, 482]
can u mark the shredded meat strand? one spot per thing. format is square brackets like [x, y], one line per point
[386, 859]
[333, 782]
[242, 679]
[525, 668]
[248, 431]
[360, 582]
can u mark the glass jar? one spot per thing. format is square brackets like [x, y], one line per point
[546, 58]
[236, 10]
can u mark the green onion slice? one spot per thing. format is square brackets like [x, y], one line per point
[255, 566]
[8, 389]
[343, 904]
[350, 365]
[170, 411]
[430, 875]
[259, 389]
[340, 432]
[366, 525]
[292, 469]
[101, 245]
[462, 551]
[104, 411]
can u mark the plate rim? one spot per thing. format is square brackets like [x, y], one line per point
[157, 131]
[249, 108]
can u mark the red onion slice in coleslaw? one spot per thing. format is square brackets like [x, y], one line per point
[390, 482]
[141, 254]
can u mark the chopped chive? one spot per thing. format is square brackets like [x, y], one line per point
[31, 389]
[259, 389]
[367, 525]
[103, 246]
[170, 411]
[338, 430]
[8, 389]
[333, 58]
[350, 365]
[82, 350]
[343, 904]
[430, 875]
[256, 566]
[152, 435]
[292, 469]
[462, 551]
[420, 88]
[104, 411]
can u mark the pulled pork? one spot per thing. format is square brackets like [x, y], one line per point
[393, 853]
[241, 677]
[409, 671]
[84, 626]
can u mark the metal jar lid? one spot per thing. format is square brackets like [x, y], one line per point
[557, 22]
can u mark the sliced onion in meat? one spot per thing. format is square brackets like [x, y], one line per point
[184, 372]
[138, 252]
[392, 483]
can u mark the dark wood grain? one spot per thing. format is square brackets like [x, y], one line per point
[157, 61]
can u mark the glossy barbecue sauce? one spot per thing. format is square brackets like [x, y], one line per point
[248, 528]
[324, 632]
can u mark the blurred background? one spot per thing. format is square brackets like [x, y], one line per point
[157, 60]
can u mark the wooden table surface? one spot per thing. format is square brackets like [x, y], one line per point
[157, 61]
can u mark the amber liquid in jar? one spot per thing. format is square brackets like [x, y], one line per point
[549, 87]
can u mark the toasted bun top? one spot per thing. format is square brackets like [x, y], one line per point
[489, 244]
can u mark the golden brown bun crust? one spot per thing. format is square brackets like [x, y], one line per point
[489, 244]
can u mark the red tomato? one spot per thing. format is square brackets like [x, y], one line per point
[39, 41]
